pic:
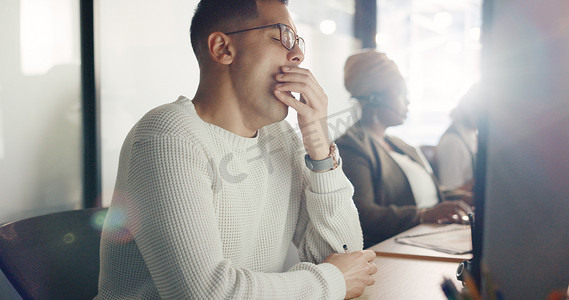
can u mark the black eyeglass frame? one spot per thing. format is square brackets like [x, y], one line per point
[280, 26]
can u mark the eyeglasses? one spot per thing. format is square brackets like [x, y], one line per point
[288, 37]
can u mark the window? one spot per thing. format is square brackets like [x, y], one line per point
[436, 44]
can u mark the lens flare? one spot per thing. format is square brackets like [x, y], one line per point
[69, 238]
[98, 219]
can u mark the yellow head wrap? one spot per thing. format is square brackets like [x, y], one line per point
[368, 71]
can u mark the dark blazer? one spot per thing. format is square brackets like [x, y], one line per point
[382, 192]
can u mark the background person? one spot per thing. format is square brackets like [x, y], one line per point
[395, 188]
[456, 150]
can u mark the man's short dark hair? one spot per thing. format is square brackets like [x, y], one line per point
[220, 15]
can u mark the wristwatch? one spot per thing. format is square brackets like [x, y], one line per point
[323, 165]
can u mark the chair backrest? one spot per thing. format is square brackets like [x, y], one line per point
[54, 256]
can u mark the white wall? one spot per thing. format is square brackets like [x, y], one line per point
[40, 98]
[526, 237]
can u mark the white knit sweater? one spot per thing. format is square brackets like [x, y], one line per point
[201, 213]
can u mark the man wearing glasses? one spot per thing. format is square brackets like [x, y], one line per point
[211, 191]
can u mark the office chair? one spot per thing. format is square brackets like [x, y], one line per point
[54, 256]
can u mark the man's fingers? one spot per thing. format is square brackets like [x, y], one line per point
[369, 254]
[299, 80]
[297, 87]
[295, 70]
[308, 92]
[299, 83]
[289, 100]
[294, 77]
[373, 268]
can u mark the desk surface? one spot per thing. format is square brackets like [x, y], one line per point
[389, 248]
[408, 272]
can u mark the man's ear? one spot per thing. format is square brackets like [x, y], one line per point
[220, 48]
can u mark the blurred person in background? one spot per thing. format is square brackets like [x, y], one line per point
[456, 151]
[395, 188]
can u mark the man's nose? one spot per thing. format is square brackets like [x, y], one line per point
[296, 55]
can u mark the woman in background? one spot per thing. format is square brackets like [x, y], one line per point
[456, 151]
[395, 188]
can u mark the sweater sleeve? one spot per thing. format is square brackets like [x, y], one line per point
[172, 217]
[328, 217]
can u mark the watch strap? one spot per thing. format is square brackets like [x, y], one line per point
[323, 165]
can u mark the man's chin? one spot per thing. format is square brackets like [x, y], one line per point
[280, 109]
[282, 114]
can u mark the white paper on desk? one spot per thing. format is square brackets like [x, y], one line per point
[452, 239]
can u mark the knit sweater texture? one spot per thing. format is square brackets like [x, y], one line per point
[201, 213]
